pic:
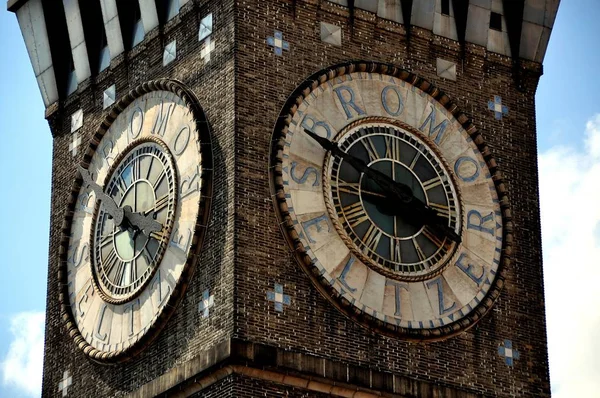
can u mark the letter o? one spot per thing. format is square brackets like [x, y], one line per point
[384, 96]
[459, 171]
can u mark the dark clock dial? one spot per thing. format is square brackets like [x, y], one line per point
[380, 233]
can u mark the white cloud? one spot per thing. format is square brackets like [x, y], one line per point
[570, 206]
[22, 366]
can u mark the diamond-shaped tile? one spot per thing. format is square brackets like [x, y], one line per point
[76, 120]
[331, 34]
[206, 27]
[170, 53]
[446, 69]
[497, 107]
[208, 301]
[109, 96]
[74, 144]
[207, 47]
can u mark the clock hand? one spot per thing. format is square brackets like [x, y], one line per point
[110, 206]
[121, 216]
[399, 190]
[412, 215]
[410, 208]
[141, 222]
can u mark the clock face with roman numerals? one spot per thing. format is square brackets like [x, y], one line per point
[346, 215]
[124, 259]
[379, 235]
[122, 282]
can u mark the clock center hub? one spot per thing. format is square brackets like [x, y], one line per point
[383, 212]
[129, 244]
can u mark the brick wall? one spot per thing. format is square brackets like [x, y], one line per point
[242, 90]
[468, 362]
[187, 333]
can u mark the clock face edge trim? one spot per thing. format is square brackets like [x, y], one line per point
[284, 211]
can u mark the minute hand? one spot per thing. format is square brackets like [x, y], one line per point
[398, 190]
[109, 203]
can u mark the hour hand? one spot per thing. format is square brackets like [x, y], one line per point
[110, 206]
[145, 223]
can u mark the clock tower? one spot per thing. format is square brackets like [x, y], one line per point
[296, 198]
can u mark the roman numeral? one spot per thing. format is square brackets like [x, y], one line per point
[150, 167]
[160, 204]
[105, 239]
[370, 147]
[372, 237]
[395, 255]
[420, 253]
[392, 148]
[123, 275]
[434, 182]
[414, 161]
[355, 214]
[352, 188]
[158, 235]
[121, 185]
[133, 274]
[136, 172]
[445, 211]
[434, 238]
[159, 179]
[109, 262]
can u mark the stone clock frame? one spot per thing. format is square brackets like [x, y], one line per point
[300, 252]
[203, 129]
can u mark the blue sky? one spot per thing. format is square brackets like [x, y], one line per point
[569, 146]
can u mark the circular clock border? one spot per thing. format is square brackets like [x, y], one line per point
[98, 286]
[191, 101]
[282, 212]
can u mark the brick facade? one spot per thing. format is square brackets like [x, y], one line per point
[242, 91]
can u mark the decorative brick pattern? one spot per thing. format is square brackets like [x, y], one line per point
[208, 47]
[276, 41]
[63, 385]
[278, 297]
[509, 353]
[497, 107]
[74, 144]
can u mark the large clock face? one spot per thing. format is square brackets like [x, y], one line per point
[138, 217]
[401, 225]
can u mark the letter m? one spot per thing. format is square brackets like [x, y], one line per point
[437, 131]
